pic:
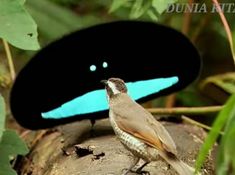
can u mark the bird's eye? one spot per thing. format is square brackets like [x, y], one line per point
[92, 68]
[105, 64]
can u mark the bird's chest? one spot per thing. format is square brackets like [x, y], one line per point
[133, 144]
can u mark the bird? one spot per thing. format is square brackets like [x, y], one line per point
[139, 131]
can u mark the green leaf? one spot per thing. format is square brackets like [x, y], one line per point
[161, 5]
[116, 4]
[17, 26]
[152, 15]
[2, 116]
[63, 20]
[22, 2]
[10, 145]
[6, 168]
[227, 112]
[139, 8]
[225, 82]
[226, 153]
[225, 158]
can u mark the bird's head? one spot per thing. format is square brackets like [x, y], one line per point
[114, 86]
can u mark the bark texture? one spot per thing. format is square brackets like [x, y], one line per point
[72, 150]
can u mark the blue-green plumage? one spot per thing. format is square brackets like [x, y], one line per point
[95, 101]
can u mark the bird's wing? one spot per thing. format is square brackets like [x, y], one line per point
[134, 119]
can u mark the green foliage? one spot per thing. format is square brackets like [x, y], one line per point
[17, 26]
[10, 144]
[191, 97]
[65, 2]
[226, 115]
[139, 8]
[55, 21]
[226, 82]
[135, 7]
[225, 158]
[117, 4]
[22, 2]
[161, 5]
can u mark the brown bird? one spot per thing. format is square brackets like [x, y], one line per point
[139, 131]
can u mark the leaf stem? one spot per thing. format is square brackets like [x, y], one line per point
[9, 59]
[226, 27]
[187, 19]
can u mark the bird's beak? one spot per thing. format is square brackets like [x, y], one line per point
[104, 82]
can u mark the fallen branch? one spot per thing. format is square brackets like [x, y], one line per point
[194, 122]
[185, 110]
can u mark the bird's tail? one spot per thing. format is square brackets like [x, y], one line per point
[181, 167]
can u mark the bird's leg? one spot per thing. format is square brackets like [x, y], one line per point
[139, 170]
[92, 132]
[136, 160]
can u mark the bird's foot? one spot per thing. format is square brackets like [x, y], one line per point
[92, 130]
[125, 171]
[140, 172]
[135, 171]
[145, 172]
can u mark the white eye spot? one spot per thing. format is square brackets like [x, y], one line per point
[105, 65]
[92, 68]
